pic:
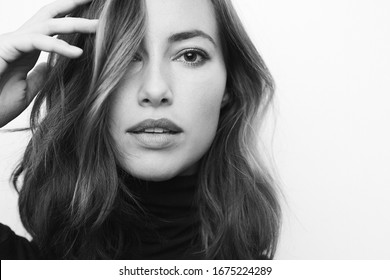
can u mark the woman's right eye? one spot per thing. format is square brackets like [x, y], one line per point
[136, 58]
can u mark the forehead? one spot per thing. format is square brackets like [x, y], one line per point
[166, 17]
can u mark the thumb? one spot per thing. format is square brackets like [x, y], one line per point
[35, 81]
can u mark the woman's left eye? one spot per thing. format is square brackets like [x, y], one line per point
[192, 57]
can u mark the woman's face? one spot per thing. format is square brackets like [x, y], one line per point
[164, 115]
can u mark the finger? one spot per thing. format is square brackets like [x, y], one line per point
[67, 25]
[57, 8]
[12, 97]
[35, 81]
[27, 43]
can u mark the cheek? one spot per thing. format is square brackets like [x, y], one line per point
[208, 103]
[123, 104]
[204, 90]
[120, 118]
[199, 97]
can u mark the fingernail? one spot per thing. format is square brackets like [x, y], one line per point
[76, 50]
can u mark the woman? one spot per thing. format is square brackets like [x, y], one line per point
[147, 146]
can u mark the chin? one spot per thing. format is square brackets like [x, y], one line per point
[154, 177]
[156, 173]
[151, 174]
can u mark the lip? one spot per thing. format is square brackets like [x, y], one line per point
[156, 134]
[165, 124]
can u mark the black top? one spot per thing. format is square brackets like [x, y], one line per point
[173, 223]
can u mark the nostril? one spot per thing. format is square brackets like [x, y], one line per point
[148, 101]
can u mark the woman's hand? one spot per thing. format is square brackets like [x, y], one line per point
[19, 52]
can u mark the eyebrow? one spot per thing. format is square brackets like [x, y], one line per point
[190, 34]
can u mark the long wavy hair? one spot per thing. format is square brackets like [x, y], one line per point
[72, 199]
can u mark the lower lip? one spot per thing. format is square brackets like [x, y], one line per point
[156, 141]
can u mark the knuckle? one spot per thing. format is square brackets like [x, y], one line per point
[32, 39]
[29, 37]
[49, 26]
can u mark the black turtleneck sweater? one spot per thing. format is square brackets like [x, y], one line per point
[171, 229]
[171, 223]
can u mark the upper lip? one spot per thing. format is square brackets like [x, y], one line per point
[165, 124]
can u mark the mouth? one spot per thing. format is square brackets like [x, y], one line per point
[155, 130]
[160, 126]
[156, 134]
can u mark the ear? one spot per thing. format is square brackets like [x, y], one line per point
[225, 99]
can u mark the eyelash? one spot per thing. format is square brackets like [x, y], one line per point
[198, 52]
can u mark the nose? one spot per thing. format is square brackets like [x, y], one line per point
[155, 90]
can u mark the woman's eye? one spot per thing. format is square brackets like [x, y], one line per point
[136, 58]
[193, 57]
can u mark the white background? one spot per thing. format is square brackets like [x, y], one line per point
[331, 63]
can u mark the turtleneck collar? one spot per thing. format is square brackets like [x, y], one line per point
[166, 199]
[171, 228]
